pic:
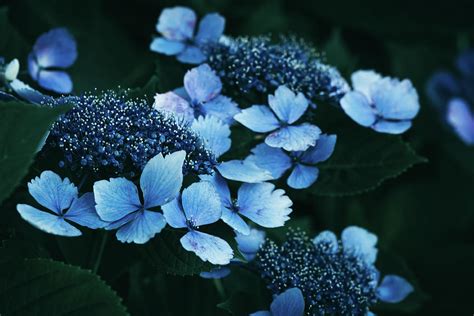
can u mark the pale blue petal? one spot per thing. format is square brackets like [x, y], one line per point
[181, 92]
[395, 100]
[82, 212]
[162, 178]
[208, 247]
[288, 303]
[168, 47]
[264, 205]
[210, 28]
[327, 239]
[124, 220]
[216, 273]
[250, 244]
[191, 55]
[360, 242]
[322, 151]
[214, 133]
[46, 222]
[272, 159]
[201, 203]
[369, 313]
[144, 227]
[288, 106]
[52, 192]
[390, 127]
[221, 107]
[57, 81]
[294, 138]
[28, 93]
[261, 313]
[358, 108]
[362, 80]
[33, 67]
[56, 48]
[243, 171]
[394, 289]
[177, 23]
[174, 214]
[115, 198]
[202, 84]
[236, 222]
[171, 102]
[221, 187]
[461, 119]
[302, 176]
[258, 118]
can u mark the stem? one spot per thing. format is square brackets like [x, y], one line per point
[100, 252]
[220, 288]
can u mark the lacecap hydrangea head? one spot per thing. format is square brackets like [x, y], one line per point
[110, 134]
[336, 277]
[257, 64]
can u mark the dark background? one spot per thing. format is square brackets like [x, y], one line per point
[425, 216]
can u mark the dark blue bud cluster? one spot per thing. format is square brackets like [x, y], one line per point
[110, 135]
[257, 64]
[333, 282]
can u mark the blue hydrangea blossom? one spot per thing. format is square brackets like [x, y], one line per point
[243, 171]
[301, 163]
[250, 244]
[285, 108]
[386, 105]
[214, 133]
[198, 205]
[60, 198]
[288, 303]
[177, 27]
[118, 200]
[53, 52]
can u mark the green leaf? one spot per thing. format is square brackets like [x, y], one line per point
[46, 287]
[22, 127]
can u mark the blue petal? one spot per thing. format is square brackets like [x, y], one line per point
[162, 178]
[288, 303]
[33, 67]
[327, 239]
[261, 313]
[360, 242]
[243, 171]
[465, 63]
[250, 244]
[362, 80]
[216, 273]
[442, 87]
[82, 212]
[460, 118]
[46, 222]
[210, 28]
[52, 192]
[177, 23]
[357, 107]
[264, 205]
[124, 220]
[141, 229]
[221, 107]
[115, 198]
[202, 84]
[322, 151]
[191, 55]
[258, 118]
[56, 48]
[287, 106]
[394, 99]
[214, 133]
[168, 47]
[26, 92]
[171, 102]
[174, 214]
[294, 138]
[236, 222]
[208, 247]
[394, 289]
[390, 127]
[302, 176]
[221, 187]
[201, 203]
[57, 81]
[272, 159]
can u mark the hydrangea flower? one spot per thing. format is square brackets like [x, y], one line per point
[288, 303]
[258, 65]
[243, 171]
[118, 200]
[111, 134]
[302, 163]
[177, 25]
[285, 108]
[259, 202]
[335, 277]
[250, 244]
[386, 105]
[60, 198]
[9, 72]
[53, 52]
[201, 96]
[199, 205]
[214, 133]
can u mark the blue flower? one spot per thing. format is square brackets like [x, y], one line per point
[250, 244]
[9, 71]
[201, 96]
[302, 163]
[53, 51]
[285, 109]
[384, 104]
[243, 171]
[216, 273]
[118, 199]
[60, 198]
[199, 205]
[177, 26]
[214, 134]
[259, 202]
[288, 303]
[461, 119]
